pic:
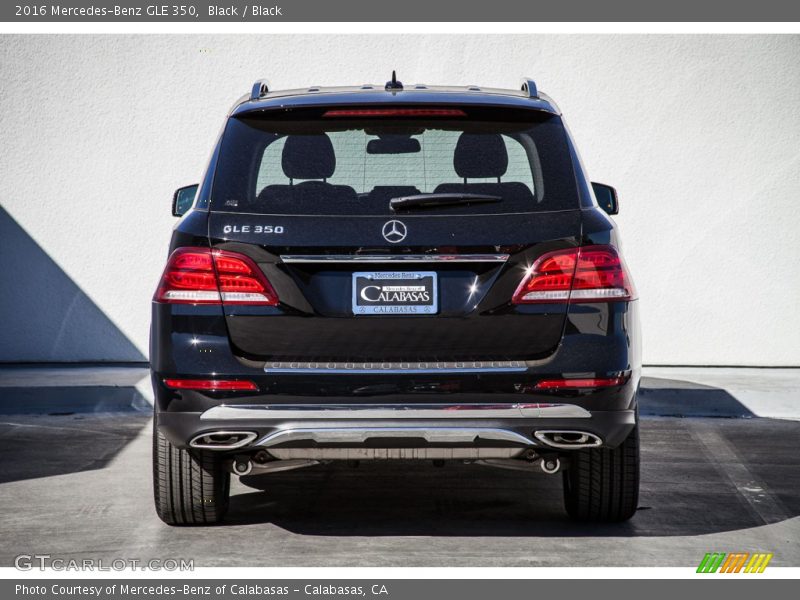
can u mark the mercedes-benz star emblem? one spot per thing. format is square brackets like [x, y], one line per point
[394, 231]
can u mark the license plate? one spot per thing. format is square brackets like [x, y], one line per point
[395, 293]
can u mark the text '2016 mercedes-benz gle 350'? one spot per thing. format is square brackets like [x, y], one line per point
[395, 273]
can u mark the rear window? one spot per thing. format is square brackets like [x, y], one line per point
[317, 165]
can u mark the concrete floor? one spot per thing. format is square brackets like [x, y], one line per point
[75, 483]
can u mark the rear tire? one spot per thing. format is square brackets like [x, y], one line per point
[603, 484]
[190, 487]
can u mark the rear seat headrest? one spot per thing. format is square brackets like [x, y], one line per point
[308, 157]
[479, 155]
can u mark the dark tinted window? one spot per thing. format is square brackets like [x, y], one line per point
[303, 165]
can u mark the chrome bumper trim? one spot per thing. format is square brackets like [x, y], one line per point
[395, 368]
[345, 412]
[359, 435]
[399, 258]
[429, 453]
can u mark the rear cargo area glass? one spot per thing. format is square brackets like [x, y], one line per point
[313, 165]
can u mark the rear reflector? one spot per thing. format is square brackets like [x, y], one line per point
[212, 385]
[552, 384]
[203, 276]
[396, 112]
[585, 274]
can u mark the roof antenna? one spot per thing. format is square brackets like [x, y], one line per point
[394, 84]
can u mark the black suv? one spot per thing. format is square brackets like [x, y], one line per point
[395, 273]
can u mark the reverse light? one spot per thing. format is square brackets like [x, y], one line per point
[594, 382]
[211, 385]
[396, 112]
[205, 276]
[584, 274]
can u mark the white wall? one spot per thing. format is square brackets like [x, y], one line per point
[701, 135]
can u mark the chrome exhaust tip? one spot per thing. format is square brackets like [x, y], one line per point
[567, 439]
[222, 440]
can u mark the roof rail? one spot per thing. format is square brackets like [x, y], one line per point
[529, 85]
[260, 89]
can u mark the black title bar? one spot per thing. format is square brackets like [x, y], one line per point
[192, 11]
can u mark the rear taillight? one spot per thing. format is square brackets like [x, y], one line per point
[594, 382]
[204, 276]
[585, 274]
[211, 385]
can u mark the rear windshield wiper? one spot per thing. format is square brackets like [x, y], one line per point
[439, 200]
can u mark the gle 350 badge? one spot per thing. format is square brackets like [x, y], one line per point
[252, 229]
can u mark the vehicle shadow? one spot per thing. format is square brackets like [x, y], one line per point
[687, 488]
[50, 431]
[675, 398]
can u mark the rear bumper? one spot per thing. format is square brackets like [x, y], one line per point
[396, 428]
[600, 341]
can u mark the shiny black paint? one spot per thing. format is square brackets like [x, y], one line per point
[191, 230]
[600, 340]
[593, 339]
[472, 324]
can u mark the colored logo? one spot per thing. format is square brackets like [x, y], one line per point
[734, 562]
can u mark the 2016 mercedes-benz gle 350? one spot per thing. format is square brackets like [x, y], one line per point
[395, 273]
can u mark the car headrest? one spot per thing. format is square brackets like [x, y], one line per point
[308, 157]
[480, 155]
